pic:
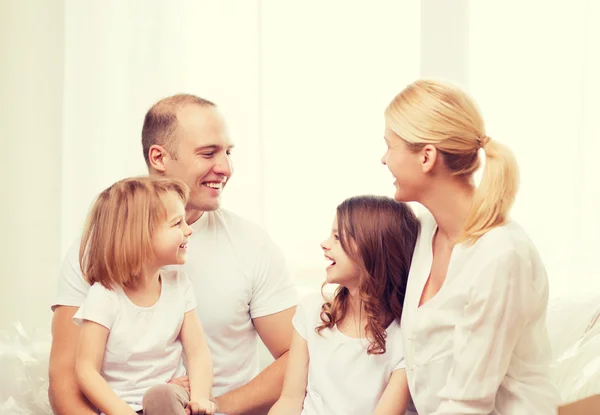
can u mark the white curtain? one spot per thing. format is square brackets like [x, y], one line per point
[535, 70]
[303, 86]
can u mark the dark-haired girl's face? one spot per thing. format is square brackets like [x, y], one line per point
[341, 269]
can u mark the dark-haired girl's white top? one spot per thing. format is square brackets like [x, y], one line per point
[480, 345]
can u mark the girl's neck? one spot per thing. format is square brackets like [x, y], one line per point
[450, 204]
[354, 303]
[147, 289]
[148, 280]
[355, 320]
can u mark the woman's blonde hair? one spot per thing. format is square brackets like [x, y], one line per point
[117, 238]
[440, 114]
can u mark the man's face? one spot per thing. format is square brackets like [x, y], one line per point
[203, 155]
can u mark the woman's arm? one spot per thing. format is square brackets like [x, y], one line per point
[90, 353]
[501, 302]
[199, 360]
[394, 400]
[295, 381]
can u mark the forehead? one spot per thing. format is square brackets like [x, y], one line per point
[173, 204]
[199, 126]
[390, 135]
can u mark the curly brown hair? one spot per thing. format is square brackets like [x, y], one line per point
[379, 235]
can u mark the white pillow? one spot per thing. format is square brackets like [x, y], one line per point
[577, 370]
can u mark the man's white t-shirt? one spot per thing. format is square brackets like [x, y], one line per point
[342, 378]
[143, 348]
[238, 274]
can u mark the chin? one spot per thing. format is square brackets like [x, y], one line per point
[334, 280]
[208, 206]
[399, 196]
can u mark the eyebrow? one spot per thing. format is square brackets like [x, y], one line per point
[175, 218]
[213, 147]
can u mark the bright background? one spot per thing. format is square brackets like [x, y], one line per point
[303, 86]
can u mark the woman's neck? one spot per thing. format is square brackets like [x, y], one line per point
[450, 204]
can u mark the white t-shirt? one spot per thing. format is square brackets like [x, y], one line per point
[238, 273]
[342, 378]
[143, 348]
[480, 345]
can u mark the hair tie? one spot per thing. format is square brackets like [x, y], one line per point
[483, 141]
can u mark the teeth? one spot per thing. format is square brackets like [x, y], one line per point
[214, 185]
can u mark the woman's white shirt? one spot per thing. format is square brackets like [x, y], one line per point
[480, 345]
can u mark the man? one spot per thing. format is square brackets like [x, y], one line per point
[240, 279]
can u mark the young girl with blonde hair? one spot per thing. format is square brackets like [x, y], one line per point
[473, 325]
[138, 319]
[346, 355]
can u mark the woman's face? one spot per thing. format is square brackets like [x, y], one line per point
[405, 166]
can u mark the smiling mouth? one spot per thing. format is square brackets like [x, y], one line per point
[331, 261]
[214, 185]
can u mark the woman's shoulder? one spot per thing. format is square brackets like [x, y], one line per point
[508, 240]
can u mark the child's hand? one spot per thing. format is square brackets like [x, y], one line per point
[201, 407]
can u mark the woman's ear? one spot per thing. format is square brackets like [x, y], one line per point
[429, 156]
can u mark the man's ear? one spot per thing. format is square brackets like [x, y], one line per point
[429, 156]
[157, 156]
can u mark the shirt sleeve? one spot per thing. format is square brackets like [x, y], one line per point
[100, 306]
[188, 292]
[272, 289]
[486, 336]
[299, 321]
[399, 362]
[72, 287]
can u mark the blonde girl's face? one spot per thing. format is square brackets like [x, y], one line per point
[341, 269]
[171, 235]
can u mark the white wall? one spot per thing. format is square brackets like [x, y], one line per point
[539, 89]
[328, 71]
[31, 82]
[303, 88]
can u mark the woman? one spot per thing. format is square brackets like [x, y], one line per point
[473, 324]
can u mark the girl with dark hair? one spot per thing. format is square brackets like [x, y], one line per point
[346, 355]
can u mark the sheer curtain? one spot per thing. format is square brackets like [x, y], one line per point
[303, 86]
[535, 69]
[328, 71]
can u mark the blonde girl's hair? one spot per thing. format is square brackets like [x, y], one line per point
[117, 237]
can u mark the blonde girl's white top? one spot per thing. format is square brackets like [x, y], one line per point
[342, 378]
[143, 348]
[480, 345]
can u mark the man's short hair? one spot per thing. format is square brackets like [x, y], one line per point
[160, 123]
